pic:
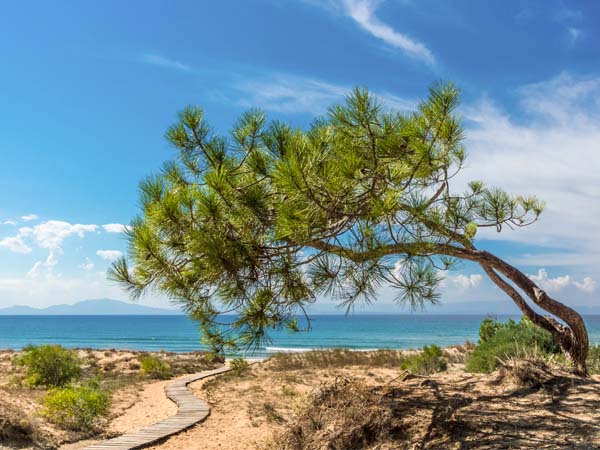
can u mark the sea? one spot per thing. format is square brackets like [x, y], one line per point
[180, 334]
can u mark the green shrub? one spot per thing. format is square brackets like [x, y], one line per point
[49, 365]
[154, 367]
[430, 360]
[499, 341]
[239, 366]
[488, 328]
[593, 360]
[77, 408]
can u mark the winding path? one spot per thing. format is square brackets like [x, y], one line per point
[191, 411]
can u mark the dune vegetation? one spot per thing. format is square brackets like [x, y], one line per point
[50, 395]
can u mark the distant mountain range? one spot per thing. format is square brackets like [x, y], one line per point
[102, 306]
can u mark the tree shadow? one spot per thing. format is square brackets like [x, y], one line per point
[561, 413]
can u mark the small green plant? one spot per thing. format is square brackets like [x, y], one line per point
[49, 365]
[239, 366]
[499, 341]
[593, 360]
[153, 367]
[488, 328]
[77, 408]
[430, 360]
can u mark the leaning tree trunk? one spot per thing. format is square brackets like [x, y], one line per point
[572, 337]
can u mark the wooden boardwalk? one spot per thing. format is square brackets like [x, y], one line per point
[191, 410]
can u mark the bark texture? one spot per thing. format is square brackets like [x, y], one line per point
[572, 336]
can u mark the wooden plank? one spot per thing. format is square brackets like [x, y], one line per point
[191, 410]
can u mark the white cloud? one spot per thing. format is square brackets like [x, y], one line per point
[15, 244]
[587, 285]
[363, 13]
[52, 258]
[464, 282]
[35, 270]
[551, 284]
[552, 151]
[294, 94]
[51, 234]
[8, 222]
[87, 265]
[109, 255]
[114, 228]
[161, 61]
[458, 284]
[47, 235]
[559, 283]
[29, 217]
[43, 289]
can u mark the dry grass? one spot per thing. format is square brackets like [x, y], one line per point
[335, 358]
[341, 414]
[318, 359]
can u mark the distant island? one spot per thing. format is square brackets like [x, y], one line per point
[93, 307]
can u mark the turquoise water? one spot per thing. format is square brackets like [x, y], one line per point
[179, 334]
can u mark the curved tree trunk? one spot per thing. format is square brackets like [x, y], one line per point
[572, 337]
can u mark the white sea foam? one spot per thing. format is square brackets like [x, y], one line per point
[304, 350]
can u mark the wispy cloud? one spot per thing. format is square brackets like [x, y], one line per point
[565, 14]
[552, 150]
[114, 228]
[87, 265]
[574, 34]
[160, 61]
[570, 19]
[29, 217]
[294, 94]
[15, 244]
[109, 255]
[363, 13]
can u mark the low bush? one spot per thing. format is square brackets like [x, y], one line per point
[153, 367]
[498, 341]
[593, 360]
[430, 360]
[239, 366]
[49, 365]
[77, 408]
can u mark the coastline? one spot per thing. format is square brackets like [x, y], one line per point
[179, 334]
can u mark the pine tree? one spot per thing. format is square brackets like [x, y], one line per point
[263, 222]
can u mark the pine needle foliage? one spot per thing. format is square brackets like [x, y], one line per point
[263, 221]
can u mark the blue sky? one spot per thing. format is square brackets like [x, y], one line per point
[87, 90]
